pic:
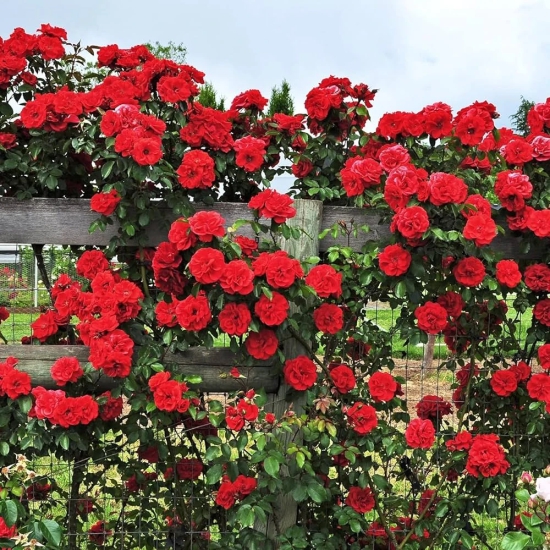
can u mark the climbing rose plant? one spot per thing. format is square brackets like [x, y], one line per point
[154, 458]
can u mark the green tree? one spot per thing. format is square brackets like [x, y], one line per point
[209, 97]
[281, 101]
[172, 51]
[519, 118]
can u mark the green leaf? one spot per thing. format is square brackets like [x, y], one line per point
[4, 448]
[271, 466]
[523, 495]
[25, 403]
[9, 512]
[300, 459]
[515, 541]
[316, 492]
[214, 474]
[64, 441]
[107, 168]
[245, 515]
[51, 531]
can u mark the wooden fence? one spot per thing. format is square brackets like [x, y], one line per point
[67, 222]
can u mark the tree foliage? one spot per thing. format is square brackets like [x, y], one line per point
[519, 118]
[281, 101]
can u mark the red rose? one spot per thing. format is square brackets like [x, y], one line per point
[88, 409]
[165, 313]
[33, 114]
[539, 223]
[167, 395]
[248, 246]
[194, 313]
[432, 407]
[235, 319]
[469, 271]
[361, 500]
[170, 280]
[91, 263]
[173, 89]
[237, 278]
[234, 418]
[461, 442]
[476, 204]
[66, 369]
[320, 100]
[274, 311]
[300, 373]
[245, 485]
[15, 384]
[207, 265]
[537, 278]
[538, 387]
[250, 153]
[393, 156]
[343, 378]
[207, 225]
[147, 151]
[167, 255]
[452, 302]
[504, 382]
[431, 317]
[541, 312]
[262, 345]
[248, 100]
[486, 457]
[5, 531]
[437, 120]
[302, 168]
[274, 205]
[149, 454]
[521, 370]
[189, 468]
[180, 234]
[226, 495]
[508, 273]
[4, 313]
[412, 222]
[280, 271]
[112, 408]
[394, 260]
[8, 141]
[325, 280]
[481, 229]
[196, 170]
[391, 125]
[362, 418]
[447, 189]
[541, 148]
[517, 151]
[44, 326]
[105, 203]
[544, 356]
[420, 434]
[382, 386]
[328, 318]
[359, 174]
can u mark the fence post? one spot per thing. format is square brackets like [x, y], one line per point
[308, 218]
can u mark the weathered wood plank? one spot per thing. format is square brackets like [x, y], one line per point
[66, 221]
[213, 365]
[309, 215]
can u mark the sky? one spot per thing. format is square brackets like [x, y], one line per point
[415, 52]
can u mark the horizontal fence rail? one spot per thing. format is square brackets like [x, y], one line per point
[67, 221]
[212, 365]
